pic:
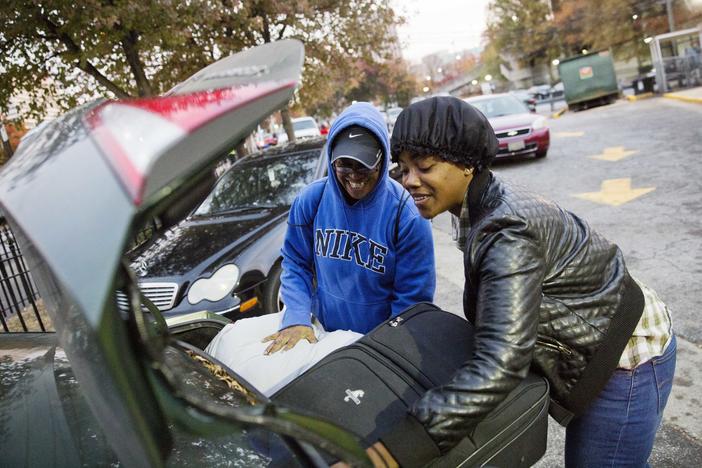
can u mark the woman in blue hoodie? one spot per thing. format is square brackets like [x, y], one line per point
[356, 252]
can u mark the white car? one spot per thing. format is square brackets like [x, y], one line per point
[392, 114]
[305, 127]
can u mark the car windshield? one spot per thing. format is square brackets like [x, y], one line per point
[499, 106]
[304, 124]
[261, 183]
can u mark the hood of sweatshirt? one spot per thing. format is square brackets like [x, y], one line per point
[367, 116]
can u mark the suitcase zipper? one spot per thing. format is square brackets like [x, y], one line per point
[395, 322]
[399, 372]
[407, 314]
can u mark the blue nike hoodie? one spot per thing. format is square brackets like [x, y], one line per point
[347, 263]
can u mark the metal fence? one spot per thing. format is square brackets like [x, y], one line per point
[677, 59]
[680, 72]
[21, 309]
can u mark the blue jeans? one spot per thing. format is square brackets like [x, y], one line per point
[619, 427]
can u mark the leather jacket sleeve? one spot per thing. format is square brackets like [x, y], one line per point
[504, 272]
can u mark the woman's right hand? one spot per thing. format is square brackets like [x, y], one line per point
[378, 455]
[287, 338]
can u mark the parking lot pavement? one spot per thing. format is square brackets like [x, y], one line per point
[679, 441]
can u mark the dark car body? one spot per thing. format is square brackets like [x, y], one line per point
[75, 196]
[241, 224]
[520, 132]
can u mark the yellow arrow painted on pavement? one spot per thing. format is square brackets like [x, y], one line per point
[615, 192]
[614, 153]
[568, 134]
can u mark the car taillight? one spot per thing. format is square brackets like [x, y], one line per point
[132, 134]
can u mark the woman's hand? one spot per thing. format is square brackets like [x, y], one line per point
[378, 454]
[288, 337]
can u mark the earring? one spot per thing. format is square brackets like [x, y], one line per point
[467, 172]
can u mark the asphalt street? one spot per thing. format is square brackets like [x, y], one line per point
[633, 171]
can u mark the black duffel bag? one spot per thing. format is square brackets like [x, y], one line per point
[368, 387]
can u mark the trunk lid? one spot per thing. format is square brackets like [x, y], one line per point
[77, 191]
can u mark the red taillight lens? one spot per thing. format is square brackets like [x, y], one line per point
[132, 134]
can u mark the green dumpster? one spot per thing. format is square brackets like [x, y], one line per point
[588, 80]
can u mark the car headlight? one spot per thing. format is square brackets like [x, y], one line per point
[216, 287]
[539, 123]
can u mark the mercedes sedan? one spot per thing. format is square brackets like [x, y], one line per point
[225, 256]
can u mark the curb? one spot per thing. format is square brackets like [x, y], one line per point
[683, 98]
[634, 98]
[559, 113]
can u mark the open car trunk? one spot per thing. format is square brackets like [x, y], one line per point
[76, 194]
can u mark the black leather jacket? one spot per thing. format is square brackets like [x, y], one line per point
[544, 292]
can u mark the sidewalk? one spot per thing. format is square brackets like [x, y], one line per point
[693, 95]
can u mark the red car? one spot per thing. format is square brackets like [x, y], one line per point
[520, 132]
[269, 139]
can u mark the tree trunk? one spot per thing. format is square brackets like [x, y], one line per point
[84, 65]
[287, 123]
[241, 149]
[131, 51]
[6, 147]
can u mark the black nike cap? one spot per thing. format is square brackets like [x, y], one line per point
[357, 143]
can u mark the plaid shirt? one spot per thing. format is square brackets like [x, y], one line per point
[653, 332]
[460, 227]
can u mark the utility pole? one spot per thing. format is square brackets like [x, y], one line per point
[671, 18]
[6, 147]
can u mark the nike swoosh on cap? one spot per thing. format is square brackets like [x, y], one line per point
[351, 135]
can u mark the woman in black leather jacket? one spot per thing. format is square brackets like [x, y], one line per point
[544, 292]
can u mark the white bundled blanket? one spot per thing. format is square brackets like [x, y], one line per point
[239, 347]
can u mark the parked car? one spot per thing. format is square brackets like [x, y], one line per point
[520, 132]
[225, 256]
[557, 90]
[267, 140]
[305, 127]
[123, 385]
[392, 114]
[540, 92]
[383, 114]
[526, 97]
